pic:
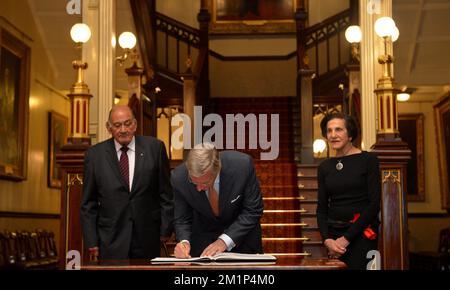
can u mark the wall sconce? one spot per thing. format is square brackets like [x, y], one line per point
[353, 35]
[405, 94]
[127, 41]
[319, 146]
[403, 97]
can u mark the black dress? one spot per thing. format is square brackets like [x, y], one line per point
[355, 189]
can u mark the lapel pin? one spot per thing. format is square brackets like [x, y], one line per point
[142, 154]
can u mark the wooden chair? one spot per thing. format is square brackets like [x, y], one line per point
[12, 250]
[31, 251]
[444, 241]
[41, 244]
[50, 249]
[51, 244]
[3, 257]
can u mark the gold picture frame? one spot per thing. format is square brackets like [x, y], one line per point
[252, 17]
[411, 127]
[57, 138]
[14, 95]
[442, 123]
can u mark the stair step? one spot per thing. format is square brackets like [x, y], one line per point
[307, 183]
[271, 180]
[308, 194]
[283, 245]
[282, 202]
[313, 234]
[309, 207]
[279, 191]
[310, 221]
[291, 230]
[275, 167]
[282, 216]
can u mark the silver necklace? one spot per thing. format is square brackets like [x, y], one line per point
[339, 165]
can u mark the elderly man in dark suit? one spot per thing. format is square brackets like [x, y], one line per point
[127, 205]
[218, 203]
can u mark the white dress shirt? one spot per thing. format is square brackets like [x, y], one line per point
[131, 157]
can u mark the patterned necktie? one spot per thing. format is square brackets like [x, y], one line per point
[124, 167]
[214, 200]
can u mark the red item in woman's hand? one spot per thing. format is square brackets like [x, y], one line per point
[368, 232]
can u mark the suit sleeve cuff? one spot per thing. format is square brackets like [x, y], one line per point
[228, 241]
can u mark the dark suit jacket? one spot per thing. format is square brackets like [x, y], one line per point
[109, 209]
[240, 204]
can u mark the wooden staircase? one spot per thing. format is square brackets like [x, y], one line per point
[282, 225]
[289, 188]
[307, 185]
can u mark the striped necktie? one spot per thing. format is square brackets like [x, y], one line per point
[124, 166]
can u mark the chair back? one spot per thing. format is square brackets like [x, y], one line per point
[444, 241]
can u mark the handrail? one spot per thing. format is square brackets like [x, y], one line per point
[178, 29]
[329, 27]
[328, 21]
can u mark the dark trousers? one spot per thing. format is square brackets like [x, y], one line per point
[355, 256]
[136, 251]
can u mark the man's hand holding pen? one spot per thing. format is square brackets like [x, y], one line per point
[182, 250]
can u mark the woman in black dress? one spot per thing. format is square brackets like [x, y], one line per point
[349, 195]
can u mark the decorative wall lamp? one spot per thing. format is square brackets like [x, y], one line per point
[319, 146]
[353, 35]
[405, 94]
[79, 93]
[127, 41]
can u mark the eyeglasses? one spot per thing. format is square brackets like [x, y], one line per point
[118, 125]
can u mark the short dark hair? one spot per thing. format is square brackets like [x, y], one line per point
[350, 124]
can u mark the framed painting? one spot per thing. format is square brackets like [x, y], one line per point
[411, 128]
[252, 16]
[57, 137]
[442, 123]
[14, 94]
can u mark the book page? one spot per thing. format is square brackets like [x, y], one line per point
[226, 256]
[242, 257]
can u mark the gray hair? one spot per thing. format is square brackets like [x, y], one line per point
[116, 108]
[201, 158]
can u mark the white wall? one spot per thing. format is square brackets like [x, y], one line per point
[319, 10]
[182, 10]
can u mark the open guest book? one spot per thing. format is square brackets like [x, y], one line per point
[222, 257]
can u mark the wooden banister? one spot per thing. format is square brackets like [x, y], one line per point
[178, 29]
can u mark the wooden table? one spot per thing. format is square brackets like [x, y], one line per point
[282, 263]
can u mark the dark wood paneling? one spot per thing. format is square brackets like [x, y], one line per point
[29, 215]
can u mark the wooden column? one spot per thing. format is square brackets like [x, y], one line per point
[188, 107]
[135, 95]
[304, 87]
[71, 161]
[201, 71]
[354, 95]
[393, 154]
[306, 111]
